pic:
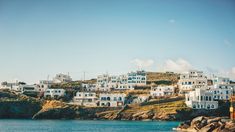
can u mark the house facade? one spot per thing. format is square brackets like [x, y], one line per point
[201, 98]
[112, 99]
[42, 85]
[54, 93]
[162, 91]
[121, 82]
[88, 99]
[61, 78]
[191, 80]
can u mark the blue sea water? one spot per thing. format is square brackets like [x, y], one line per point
[15, 125]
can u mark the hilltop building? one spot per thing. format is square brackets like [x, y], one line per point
[162, 91]
[112, 99]
[54, 93]
[201, 98]
[191, 80]
[88, 99]
[61, 78]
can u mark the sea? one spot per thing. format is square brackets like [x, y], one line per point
[26, 125]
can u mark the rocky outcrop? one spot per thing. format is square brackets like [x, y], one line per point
[56, 110]
[13, 105]
[207, 124]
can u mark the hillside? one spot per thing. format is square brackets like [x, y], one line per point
[162, 78]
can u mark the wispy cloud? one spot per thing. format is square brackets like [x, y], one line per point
[227, 42]
[172, 21]
[179, 65]
[142, 63]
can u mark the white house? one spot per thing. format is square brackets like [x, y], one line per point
[201, 98]
[88, 99]
[102, 83]
[112, 99]
[162, 91]
[140, 98]
[191, 80]
[61, 78]
[42, 85]
[137, 78]
[121, 82]
[88, 87]
[221, 93]
[28, 89]
[220, 80]
[54, 93]
[14, 85]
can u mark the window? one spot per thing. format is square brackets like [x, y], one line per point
[206, 98]
[209, 98]
[120, 99]
[212, 106]
[208, 106]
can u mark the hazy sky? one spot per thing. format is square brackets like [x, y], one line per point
[45, 37]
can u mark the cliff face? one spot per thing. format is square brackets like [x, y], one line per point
[17, 106]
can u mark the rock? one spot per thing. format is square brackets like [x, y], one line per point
[206, 124]
[210, 127]
[196, 120]
[217, 119]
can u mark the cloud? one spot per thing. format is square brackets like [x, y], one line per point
[227, 73]
[179, 65]
[172, 21]
[142, 63]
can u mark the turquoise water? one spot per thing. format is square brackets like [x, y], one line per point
[84, 126]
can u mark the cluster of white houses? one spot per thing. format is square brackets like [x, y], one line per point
[199, 94]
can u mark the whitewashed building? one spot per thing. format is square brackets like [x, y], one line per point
[28, 89]
[137, 99]
[102, 83]
[201, 98]
[42, 85]
[14, 85]
[221, 93]
[88, 99]
[220, 80]
[112, 99]
[137, 78]
[121, 82]
[88, 87]
[162, 91]
[61, 78]
[191, 80]
[54, 93]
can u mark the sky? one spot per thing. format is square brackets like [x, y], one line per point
[40, 38]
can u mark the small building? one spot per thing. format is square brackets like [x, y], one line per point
[62, 78]
[191, 80]
[221, 93]
[162, 91]
[28, 89]
[137, 99]
[42, 85]
[112, 99]
[88, 99]
[201, 98]
[88, 87]
[54, 93]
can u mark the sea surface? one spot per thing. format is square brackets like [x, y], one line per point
[19, 125]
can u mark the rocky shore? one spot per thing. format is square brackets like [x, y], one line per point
[207, 124]
[13, 105]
